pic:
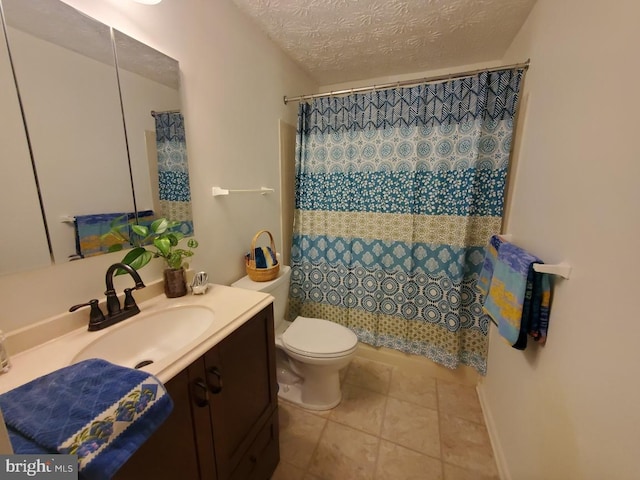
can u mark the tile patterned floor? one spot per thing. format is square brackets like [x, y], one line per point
[395, 422]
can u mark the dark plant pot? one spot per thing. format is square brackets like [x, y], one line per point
[175, 284]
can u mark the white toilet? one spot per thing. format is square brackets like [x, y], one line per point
[310, 351]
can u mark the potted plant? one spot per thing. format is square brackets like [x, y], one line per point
[158, 240]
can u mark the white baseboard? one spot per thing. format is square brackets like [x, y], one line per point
[501, 463]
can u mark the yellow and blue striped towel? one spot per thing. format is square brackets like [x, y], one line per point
[518, 298]
[490, 260]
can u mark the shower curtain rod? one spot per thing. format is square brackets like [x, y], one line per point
[406, 83]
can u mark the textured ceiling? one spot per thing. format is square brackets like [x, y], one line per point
[343, 40]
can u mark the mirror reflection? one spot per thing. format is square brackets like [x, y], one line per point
[149, 82]
[95, 159]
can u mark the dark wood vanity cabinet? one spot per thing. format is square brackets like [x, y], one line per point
[224, 424]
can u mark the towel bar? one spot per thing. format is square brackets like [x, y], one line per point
[217, 191]
[560, 269]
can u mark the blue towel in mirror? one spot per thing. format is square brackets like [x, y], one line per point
[90, 228]
[93, 409]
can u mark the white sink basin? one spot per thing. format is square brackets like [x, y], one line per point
[145, 339]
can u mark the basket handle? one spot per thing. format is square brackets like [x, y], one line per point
[252, 253]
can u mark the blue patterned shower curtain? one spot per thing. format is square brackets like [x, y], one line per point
[397, 193]
[173, 170]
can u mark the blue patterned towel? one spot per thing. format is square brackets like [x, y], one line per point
[518, 297]
[94, 409]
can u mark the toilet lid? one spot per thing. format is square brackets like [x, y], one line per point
[315, 337]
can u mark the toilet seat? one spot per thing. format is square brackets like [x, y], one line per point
[317, 338]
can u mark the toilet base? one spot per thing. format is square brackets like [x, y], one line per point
[308, 386]
[311, 383]
[293, 393]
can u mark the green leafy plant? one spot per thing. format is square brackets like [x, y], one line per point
[161, 234]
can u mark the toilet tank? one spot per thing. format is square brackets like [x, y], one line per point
[278, 288]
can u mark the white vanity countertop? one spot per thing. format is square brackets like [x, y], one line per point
[231, 306]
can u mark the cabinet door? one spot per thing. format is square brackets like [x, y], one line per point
[242, 378]
[261, 460]
[201, 420]
[175, 450]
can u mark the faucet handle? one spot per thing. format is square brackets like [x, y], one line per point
[95, 315]
[129, 301]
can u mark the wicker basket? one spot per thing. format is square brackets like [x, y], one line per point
[261, 274]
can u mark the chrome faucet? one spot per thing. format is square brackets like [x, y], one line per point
[115, 314]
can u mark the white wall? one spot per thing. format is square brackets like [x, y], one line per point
[569, 410]
[417, 76]
[233, 81]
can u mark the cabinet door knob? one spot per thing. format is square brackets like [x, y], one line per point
[200, 392]
[216, 387]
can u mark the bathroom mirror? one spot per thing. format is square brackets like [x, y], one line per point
[24, 236]
[67, 78]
